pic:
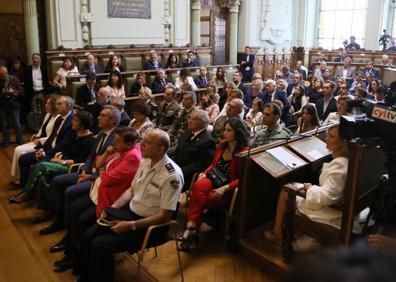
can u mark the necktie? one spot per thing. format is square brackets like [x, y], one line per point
[163, 83]
[205, 81]
[101, 143]
[92, 69]
[54, 132]
[93, 96]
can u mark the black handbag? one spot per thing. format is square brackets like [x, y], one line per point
[217, 178]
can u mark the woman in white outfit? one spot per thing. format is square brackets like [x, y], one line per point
[319, 198]
[40, 137]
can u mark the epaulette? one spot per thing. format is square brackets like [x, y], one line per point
[170, 168]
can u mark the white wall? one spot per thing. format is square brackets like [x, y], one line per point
[64, 26]
[265, 23]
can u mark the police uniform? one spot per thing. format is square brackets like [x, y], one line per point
[167, 113]
[264, 136]
[154, 188]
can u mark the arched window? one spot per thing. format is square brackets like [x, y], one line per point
[338, 20]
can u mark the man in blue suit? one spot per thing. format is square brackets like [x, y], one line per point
[190, 61]
[153, 63]
[202, 80]
[327, 104]
[66, 187]
[90, 66]
[158, 85]
[246, 65]
[271, 94]
[60, 138]
[370, 69]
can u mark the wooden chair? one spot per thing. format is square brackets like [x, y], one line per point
[147, 244]
[364, 171]
[188, 192]
[75, 167]
[229, 217]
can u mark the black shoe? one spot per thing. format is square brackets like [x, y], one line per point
[65, 264]
[15, 182]
[55, 226]
[61, 246]
[44, 217]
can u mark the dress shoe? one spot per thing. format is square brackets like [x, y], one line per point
[44, 217]
[15, 182]
[54, 227]
[61, 246]
[65, 264]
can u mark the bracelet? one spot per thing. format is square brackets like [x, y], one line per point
[133, 226]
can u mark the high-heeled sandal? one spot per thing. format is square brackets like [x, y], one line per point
[16, 199]
[189, 242]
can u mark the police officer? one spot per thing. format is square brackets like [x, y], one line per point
[273, 130]
[151, 199]
[167, 110]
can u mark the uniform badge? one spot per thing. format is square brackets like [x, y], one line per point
[170, 168]
[175, 183]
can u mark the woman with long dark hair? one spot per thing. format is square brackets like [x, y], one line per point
[113, 64]
[116, 84]
[309, 119]
[206, 192]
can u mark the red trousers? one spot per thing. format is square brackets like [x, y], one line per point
[202, 198]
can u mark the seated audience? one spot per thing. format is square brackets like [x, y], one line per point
[66, 187]
[172, 62]
[346, 71]
[380, 94]
[61, 137]
[297, 101]
[370, 69]
[327, 104]
[237, 79]
[208, 104]
[139, 84]
[297, 80]
[207, 193]
[314, 93]
[202, 80]
[362, 93]
[274, 130]
[119, 103]
[372, 87]
[342, 110]
[86, 94]
[161, 189]
[271, 94]
[118, 166]
[141, 121]
[95, 108]
[344, 92]
[158, 85]
[341, 56]
[190, 61]
[185, 78]
[319, 198]
[287, 74]
[114, 65]
[153, 63]
[42, 173]
[255, 115]
[195, 148]
[40, 137]
[116, 84]
[319, 72]
[219, 78]
[358, 79]
[68, 68]
[309, 119]
[167, 110]
[255, 91]
[301, 69]
[281, 84]
[232, 93]
[146, 96]
[90, 66]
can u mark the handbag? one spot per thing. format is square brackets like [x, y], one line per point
[217, 178]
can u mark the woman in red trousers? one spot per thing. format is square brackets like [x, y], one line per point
[205, 191]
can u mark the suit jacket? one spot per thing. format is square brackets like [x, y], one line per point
[11, 100]
[247, 74]
[125, 119]
[64, 138]
[83, 96]
[193, 63]
[200, 82]
[194, 155]
[340, 70]
[281, 96]
[135, 88]
[86, 69]
[373, 71]
[157, 86]
[89, 162]
[332, 107]
[150, 66]
[28, 80]
[248, 98]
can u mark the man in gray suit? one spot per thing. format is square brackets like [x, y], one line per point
[346, 72]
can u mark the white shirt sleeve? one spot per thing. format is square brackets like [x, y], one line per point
[170, 193]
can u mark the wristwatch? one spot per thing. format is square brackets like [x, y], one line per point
[133, 226]
[64, 162]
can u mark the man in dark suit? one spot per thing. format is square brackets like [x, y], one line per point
[87, 93]
[202, 80]
[246, 65]
[35, 87]
[60, 138]
[153, 63]
[90, 65]
[327, 104]
[196, 147]
[352, 44]
[158, 85]
[119, 103]
[190, 61]
[237, 79]
[370, 69]
[341, 57]
[66, 187]
[271, 94]
[297, 79]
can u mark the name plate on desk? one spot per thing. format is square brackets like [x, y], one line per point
[310, 148]
[278, 161]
